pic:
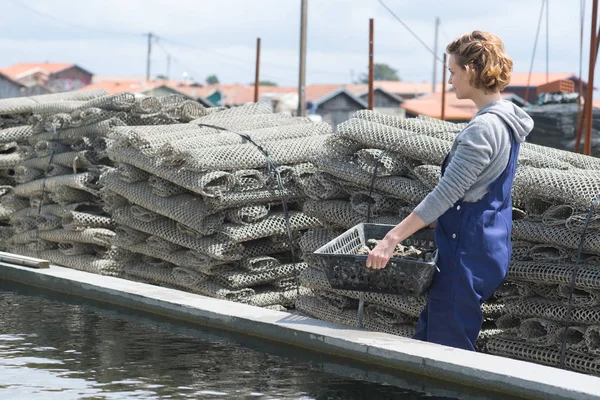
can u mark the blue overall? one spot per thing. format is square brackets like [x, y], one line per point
[474, 248]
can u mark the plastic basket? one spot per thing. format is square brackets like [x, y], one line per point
[347, 270]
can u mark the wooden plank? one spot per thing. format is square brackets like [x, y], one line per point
[23, 260]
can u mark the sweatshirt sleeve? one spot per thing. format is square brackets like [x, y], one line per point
[475, 147]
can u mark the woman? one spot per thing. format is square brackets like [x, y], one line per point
[471, 206]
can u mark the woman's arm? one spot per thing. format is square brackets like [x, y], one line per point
[381, 254]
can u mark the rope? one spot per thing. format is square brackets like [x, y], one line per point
[537, 34]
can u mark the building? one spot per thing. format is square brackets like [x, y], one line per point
[55, 77]
[519, 82]
[143, 87]
[12, 88]
[455, 110]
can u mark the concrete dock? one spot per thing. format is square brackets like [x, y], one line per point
[480, 372]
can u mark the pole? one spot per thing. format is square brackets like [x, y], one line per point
[435, 51]
[371, 65]
[302, 81]
[257, 76]
[149, 53]
[168, 68]
[547, 41]
[443, 114]
[581, 113]
[587, 143]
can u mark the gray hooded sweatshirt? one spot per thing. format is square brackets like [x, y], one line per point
[478, 156]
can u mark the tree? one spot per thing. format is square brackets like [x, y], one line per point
[161, 77]
[212, 80]
[381, 72]
[265, 83]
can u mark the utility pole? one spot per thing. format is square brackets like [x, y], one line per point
[302, 80]
[443, 113]
[168, 67]
[371, 65]
[150, 35]
[435, 51]
[587, 142]
[257, 75]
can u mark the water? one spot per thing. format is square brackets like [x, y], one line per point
[54, 347]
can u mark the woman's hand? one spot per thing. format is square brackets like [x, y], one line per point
[381, 254]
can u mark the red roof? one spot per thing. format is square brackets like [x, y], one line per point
[431, 105]
[124, 86]
[538, 78]
[19, 71]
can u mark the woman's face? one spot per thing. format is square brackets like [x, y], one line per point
[459, 79]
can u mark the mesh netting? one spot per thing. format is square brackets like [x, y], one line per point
[167, 229]
[248, 215]
[575, 339]
[129, 173]
[539, 331]
[22, 105]
[547, 356]
[164, 188]
[186, 209]
[213, 289]
[207, 184]
[401, 188]
[155, 274]
[318, 308]
[341, 214]
[556, 235]
[374, 204]
[234, 278]
[274, 224]
[72, 248]
[10, 160]
[89, 235]
[261, 196]
[588, 277]
[15, 134]
[429, 175]
[76, 159]
[288, 151]
[76, 220]
[178, 147]
[320, 187]
[592, 339]
[82, 262]
[269, 296]
[551, 309]
[388, 163]
[574, 187]
[85, 181]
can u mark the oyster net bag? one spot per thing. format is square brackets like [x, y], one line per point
[76, 220]
[268, 296]
[320, 186]
[592, 340]
[288, 151]
[320, 309]
[23, 105]
[207, 184]
[261, 196]
[15, 134]
[213, 289]
[341, 214]
[86, 181]
[272, 225]
[387, 163]
[166, 229]
[186, 209]
[352, 175]
[234, 278]
[555, 310]
[547, 356]
[161, 275]
[89, 235]
[73, 159]
[247, 215]
[539, 331]
[178, 147]
[575, 340]
[82, 262]
[558, 236]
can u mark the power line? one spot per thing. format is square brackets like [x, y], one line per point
[410, 30]
[177, 60]
[62, 21]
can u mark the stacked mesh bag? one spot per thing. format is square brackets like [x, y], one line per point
[404, 156]
[409, 153]
[57, 211]
[203, 210]
[553, 192]
[16, 120]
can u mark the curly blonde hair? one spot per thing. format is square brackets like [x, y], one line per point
[484, 52]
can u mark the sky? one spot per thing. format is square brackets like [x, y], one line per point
[205, 37]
